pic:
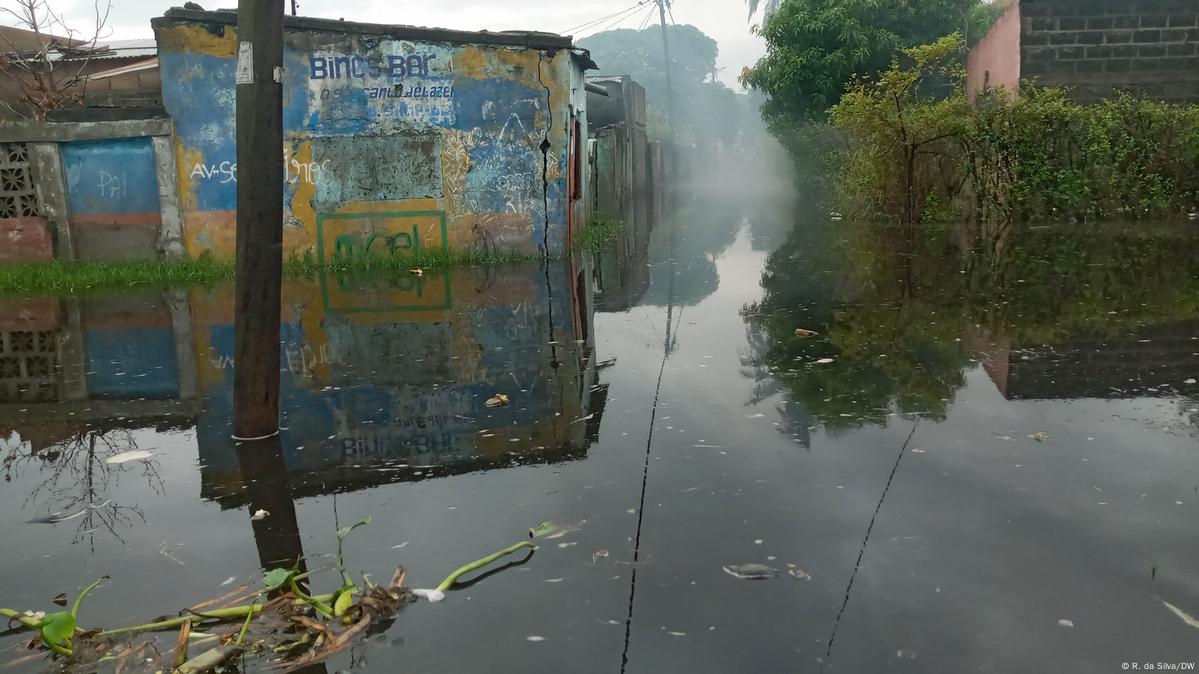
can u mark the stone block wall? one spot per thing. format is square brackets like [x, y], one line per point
[1098, 47]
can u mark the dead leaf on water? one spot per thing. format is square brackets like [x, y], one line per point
[803, 332]
[500, 400]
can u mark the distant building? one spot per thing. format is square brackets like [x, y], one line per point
[110, 73]
[620, 186]
[1095, 48]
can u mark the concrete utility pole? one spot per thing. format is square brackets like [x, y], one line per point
[259, 79]
[670, 116]
[662, 4]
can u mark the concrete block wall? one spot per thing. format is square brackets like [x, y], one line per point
[1098, 47]
[94, 191]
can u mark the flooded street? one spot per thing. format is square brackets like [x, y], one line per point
[978, 462]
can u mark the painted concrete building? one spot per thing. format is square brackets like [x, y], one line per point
[397, 138]
[1094, 48]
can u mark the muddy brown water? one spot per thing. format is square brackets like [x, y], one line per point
[979, 463]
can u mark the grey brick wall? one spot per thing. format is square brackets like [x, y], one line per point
[1097, 47]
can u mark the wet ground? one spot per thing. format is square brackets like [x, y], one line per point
[980, 462]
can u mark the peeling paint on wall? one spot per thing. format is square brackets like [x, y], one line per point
[472, 138]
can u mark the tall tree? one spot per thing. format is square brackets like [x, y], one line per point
[815, 47]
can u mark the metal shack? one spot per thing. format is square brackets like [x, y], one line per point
[396, 138]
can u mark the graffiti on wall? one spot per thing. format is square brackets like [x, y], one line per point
[378, 122]
[395, 81]
[343, 237]
[109, 177]
[294, 171]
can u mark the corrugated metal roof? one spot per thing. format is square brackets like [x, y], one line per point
[139, 66]
[127, 49]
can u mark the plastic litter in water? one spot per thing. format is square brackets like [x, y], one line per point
[433, 596]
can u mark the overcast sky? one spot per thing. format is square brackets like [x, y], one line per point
[724, 20]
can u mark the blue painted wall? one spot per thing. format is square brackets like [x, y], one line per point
[106, 177]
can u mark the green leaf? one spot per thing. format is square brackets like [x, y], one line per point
[57, 631]
[83, 595]
[277, 578]
[345, 531]
[341, 536]
[343, 602]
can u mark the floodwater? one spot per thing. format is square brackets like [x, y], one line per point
[979, 462]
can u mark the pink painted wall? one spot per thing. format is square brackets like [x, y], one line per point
[995, 62]
[25, 239]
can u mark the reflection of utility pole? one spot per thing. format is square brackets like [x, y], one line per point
[265, 480]
[259, 81]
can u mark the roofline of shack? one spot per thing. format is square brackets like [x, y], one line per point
[530, 39]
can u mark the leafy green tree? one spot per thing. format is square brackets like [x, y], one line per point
[815, 47]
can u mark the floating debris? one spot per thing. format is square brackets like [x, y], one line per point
[799, 573]
[534, 638]
[417, 272]
[825, 361]
[55, 518]
[751, 571]
[1040, 436]
[260, 515]
[433, 595]
[1066, 623]
[500, 400]
[802, 332]
[131, 455]
[1182, 615]
[551, 529]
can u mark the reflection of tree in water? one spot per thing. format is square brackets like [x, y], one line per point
[892, 306]
[79, 480]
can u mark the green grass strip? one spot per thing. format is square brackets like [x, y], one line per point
[73, 278]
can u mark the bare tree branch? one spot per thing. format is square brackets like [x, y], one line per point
[47, 79]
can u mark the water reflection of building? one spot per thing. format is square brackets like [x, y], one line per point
[1153, 362]
[389, 381]
[383, 380]
[114, 361]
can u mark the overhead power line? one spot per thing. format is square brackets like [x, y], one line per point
[588, 24]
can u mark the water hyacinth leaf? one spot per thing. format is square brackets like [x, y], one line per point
[345, 531]
[341, 536]
[57, 630]
[83, 595]
[277, 578]
[345, 599]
